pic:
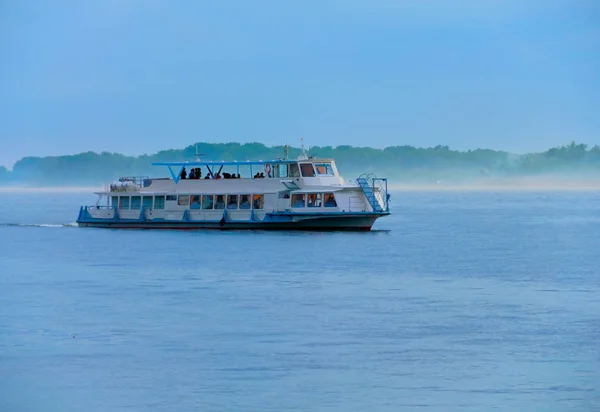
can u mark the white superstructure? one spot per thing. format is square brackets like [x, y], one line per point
[306, 193]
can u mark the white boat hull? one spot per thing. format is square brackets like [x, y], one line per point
[356, 221]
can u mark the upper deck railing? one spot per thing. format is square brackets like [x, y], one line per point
[176, 168]
[138, 180]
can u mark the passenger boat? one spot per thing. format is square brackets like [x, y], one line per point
[306, 193]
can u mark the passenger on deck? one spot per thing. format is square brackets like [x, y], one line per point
[193, 174]
[298, 201]
[238, 176]
[330, 201]
[232, 202]
[183, 174]
[207, 176]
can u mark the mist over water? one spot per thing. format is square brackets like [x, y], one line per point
[549, 182]
[541, 182]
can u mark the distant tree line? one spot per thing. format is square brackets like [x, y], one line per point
[402, 163]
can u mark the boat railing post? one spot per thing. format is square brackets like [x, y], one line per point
[387, 197]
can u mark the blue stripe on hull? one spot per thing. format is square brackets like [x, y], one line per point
[362, 222]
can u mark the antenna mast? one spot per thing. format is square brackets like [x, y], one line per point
[303, 154]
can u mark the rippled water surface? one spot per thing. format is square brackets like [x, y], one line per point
[459, 301]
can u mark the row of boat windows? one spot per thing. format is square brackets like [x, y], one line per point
[209, 202]
[206, 202]
[313, 200]
[309, 170]
[275, 170]
[321, 169]
[135, 202]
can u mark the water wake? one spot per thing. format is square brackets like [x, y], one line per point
[45, 225]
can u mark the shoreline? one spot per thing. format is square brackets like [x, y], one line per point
[50, 189]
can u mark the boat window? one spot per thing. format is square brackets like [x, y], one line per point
[147, 202]
[195, 202]
[244, 201]
[232, 202]
[280, 170]
[220, 202]
[258, 202]
[307, 170]
[324, 169]
[159, 202]
[114, 201]
[183, 200]
[298, 200]
[284, 195]
[330, 200]
[294, 171]
[124, 202]
[207, 202]
[171, 198]
[314, 200]
[136, 202]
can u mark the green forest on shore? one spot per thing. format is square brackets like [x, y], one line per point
[401, 164]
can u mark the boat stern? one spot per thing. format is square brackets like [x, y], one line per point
[375, 190]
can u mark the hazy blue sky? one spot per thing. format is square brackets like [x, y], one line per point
[137, 76]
